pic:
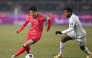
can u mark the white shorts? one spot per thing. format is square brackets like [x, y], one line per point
[81, 41]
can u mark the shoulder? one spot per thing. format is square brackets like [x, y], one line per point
[28, 15]
[40, 15]
[73, 17]
[44, 16]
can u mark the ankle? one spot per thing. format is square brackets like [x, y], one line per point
[13, 55]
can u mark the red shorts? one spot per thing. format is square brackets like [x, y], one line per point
[34, 37]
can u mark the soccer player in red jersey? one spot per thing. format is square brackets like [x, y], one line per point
[35, 31]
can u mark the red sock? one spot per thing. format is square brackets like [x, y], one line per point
[28, 50]
[20, 51]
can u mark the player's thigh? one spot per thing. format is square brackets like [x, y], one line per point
[82, 41]
[28, 43]
[65, 38]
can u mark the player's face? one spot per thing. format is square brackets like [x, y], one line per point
[67, 13]
[33, 13]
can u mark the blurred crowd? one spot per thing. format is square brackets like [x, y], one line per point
[46, 5]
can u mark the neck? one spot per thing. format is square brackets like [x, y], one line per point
[35, 16]
[70, 15]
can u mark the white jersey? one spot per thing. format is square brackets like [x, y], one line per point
[76, 26]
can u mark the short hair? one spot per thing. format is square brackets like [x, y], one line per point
[33, 8]
[68, 9]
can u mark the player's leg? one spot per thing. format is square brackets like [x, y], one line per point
[22, 49]
[85, 49]
[25, 46]
[27, 49]
[64, 39]
[82, 43]
[29, 42]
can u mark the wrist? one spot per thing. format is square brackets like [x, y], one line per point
[62, 32]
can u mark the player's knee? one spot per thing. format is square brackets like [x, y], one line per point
[25, 45]
[82, 47]
[63, 39]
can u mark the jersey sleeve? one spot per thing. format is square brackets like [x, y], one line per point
[71, 26]
[46, 18]
[24, 24]
[27, 19]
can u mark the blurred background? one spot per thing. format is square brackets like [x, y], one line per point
[13, 14]
[15, 11]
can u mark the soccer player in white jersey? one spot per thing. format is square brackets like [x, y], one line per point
[75, 31]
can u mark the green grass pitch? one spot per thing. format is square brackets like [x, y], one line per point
[47, 47]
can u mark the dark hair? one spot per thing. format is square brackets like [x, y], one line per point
[68, 9]
[33, 8]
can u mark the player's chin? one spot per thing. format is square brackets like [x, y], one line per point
[67, 16]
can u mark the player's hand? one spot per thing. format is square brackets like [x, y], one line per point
[47, 30]
[17, 32]
[58, 32]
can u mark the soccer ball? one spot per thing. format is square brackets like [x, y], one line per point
[29, 56]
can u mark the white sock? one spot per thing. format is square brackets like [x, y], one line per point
[13, 56]
[87, 51]
[61, 47]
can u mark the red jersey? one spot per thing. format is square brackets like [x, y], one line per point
[36, 29]
[36, 25]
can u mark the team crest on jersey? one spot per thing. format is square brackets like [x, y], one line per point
[71, 23]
